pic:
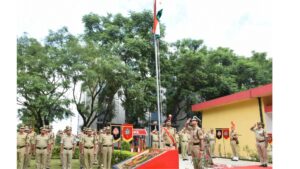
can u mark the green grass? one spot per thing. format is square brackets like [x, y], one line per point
[55, 164]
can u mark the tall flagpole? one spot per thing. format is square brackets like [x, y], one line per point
[157, 87]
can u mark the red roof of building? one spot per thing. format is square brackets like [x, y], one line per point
[261, 91]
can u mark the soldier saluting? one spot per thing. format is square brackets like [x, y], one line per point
[168, 134]
[197, 141]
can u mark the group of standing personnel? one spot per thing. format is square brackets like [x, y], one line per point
[93, 147]
[28, 144]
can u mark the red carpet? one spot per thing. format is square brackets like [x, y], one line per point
[249, 167]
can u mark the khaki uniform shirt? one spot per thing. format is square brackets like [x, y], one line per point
[32, 137]
[154, 137]
[107, 139]
[184, 137]
[68, 141]
[233, 135]
[165, 136]
[211, 137]
[196, 134]
[22, 139]
[88, 141]
[260, 134]
[41, 141]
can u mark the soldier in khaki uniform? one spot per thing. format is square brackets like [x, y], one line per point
[177, 140]
[234, 143]
[212, 142]
[168, 135]
[261, 143]
[31, 137]
[198, 143]
[22, 147]
[88, 149]
[155, 139]
[107, 148]
[60, 136]
[51, 142]
[95, 134]
[81, 156]
[100, 158]
[67, 148]
[42, 147]
[184, 138]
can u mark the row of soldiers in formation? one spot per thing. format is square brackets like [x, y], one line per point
[91, 145]
[201, 145]
[99, 147]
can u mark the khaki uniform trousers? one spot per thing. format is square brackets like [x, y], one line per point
[100, 157]
[234, 148]
[61, 155]
[106, 154]
[190, 145]
[41, 158]
[155, 144]
[21, 157]
[49, 156]
[27, 160]
[212, 148]
[197, 155]
[67, 159]
[88, 158]
[262, 152]
[184, 147]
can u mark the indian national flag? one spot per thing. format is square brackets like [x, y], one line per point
[157, 14]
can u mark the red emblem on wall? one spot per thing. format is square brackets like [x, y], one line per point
[127, 132]
[226, 133]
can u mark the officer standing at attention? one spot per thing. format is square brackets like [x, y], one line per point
[42, 148]
[212, 142]
[22, 146]
[107, 148]
[233, 143]
[89, 147]
[67, 148]
[155, 139]
[31, 137]
[81, 156]
[197, 140]
[184, 138]
[261, 143]
[51, 142]
[100, 158]
[168, 134]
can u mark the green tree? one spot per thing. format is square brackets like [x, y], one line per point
[41, 81]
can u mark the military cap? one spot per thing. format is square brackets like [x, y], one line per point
[26, 128]
[196, 118]
[43, 128]
[22, 126]
[108, 128]
[68, 128]
[89, 129]
[84, 128]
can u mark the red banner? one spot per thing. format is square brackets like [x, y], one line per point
[127, 132]
[139, 132]
[226, 133]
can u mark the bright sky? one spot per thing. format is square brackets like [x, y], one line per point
[241, 25]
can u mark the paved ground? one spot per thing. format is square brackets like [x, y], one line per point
[219, 161]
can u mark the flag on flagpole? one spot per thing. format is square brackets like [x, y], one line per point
[157, 14]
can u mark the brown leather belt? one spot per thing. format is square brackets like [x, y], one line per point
[88, 147]
[68, 148]
[106, 145]
[20, 147]
[195, 144]
[261, 141]
[41, 148]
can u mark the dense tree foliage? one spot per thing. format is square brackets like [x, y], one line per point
[115, 55]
